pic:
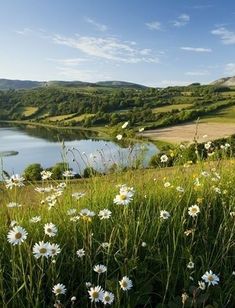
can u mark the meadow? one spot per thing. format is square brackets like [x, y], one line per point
[159, 237]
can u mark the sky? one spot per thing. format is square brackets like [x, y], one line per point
[152, 42]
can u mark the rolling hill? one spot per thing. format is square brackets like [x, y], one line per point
[225, 82]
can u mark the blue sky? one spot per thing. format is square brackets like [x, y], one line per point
[153, 42]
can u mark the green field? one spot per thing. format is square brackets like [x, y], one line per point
[227, 115]
[171, 107]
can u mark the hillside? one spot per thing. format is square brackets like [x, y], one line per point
[225, 82]
[6, 84]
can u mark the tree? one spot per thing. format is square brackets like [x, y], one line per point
[33, 172]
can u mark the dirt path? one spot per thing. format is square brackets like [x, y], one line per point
[186, 132]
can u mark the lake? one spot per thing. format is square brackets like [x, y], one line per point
[24, 145]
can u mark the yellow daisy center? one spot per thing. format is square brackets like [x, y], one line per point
[18, 235]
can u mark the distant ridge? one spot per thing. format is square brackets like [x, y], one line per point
[6, 84]
[225, 82]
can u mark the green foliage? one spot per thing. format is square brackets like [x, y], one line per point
[33, 172]
[58, 169]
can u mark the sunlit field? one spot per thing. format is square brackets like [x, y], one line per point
[159, 237]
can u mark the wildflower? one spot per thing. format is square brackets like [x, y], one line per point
[96, 294]
[75, 218]
[188, 232]
[141, 129]
[164, 214]
[105, 245]
[45, 174]
[190, 265]
[184, 297]
[80, 253]
[86, 214]
[73, 298]
[53, 249]
[207, 145]
[108, 298]
[13, 205]
[119, 137]
[105, 214]
[35, 219]
[232, 214]
[201, 285]
[58, 289]
[210, 278]
[205, 173]
[13, 223]
[143, 244]
[180, 189]
[100, 269]
[71, 212]
[50, 229]
[126, 283]
[68, 174]
[167, 184]
[15, 181]
[164, 158]
[88, 284]
[78, 195]
[41, 249]
[17, 235]
[193, 210]
[125, 195]
[125, 124]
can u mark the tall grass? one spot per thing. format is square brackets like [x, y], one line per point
[153, 252]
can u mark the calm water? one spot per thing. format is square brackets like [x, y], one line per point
[45, 146]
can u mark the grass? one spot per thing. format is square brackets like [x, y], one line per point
[59, 118]
[28, 111]
[81, 117]
[158, 269]
[227, 115]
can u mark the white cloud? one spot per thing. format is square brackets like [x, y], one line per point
[230, 68]
[153, 25]
[108, 48]
[25, 31]
[197, 73]
[182, 20]
[196, 49]
[69, 61]
[98, 26]
[227, 37]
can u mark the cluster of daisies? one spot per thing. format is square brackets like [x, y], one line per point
[125, 195]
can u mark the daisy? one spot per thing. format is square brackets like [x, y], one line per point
[41, 249]
[210, 278]
[201, 285]
[54, 249]
[35, 219]
[167, 184]
[164, 214]
[108, 298]
[58, 289]
[104, 214]
[71, 212]
[78, 195]
[141, 129]
[68, 174]
[126, 284]
[17, 235]
[190, 265]
[143, 244]
[13, 205]
[124, 198]
[50, 229]
[45, 174]
[13, 223]
[100, 269]
[180, 189]
[96, 294]
[80, 253]
[105, 245]
[125, 124]
[119, 137]
[15, 181]
[193, 210]
[88, 284]
[164, 158]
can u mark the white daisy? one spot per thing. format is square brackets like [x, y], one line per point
[17, 235]
[53, 249]
[124, 198]
[78, 195]
[50, 229]
[15, 181]
[164, 214]
[35, 219]
[164, 158]
[13, 205]
[201, 285]
[80, 253]
[180, 189]
[108, 298]
[167, 184]
[193, 210]
[119, 137]
[58, 289]
[125, 124]
[45, 174]
[210, 278]
[96, 294]
[68, 174]
[104, 214]
[41, 249]
[100, 268]
[126, 283]
[190, 265]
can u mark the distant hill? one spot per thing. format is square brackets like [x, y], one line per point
[225, 82]
[6, 84]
